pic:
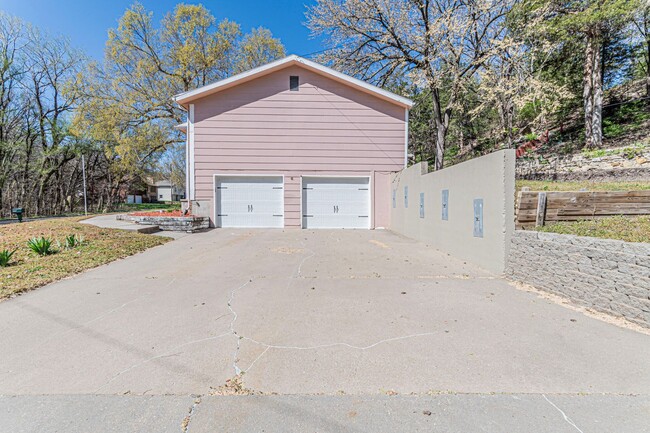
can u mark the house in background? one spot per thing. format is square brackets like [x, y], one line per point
[164, 191]
[293, 144]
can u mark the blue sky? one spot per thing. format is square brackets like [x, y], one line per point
[85, 22]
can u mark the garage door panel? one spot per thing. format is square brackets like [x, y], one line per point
[255, 201]
[336, 203]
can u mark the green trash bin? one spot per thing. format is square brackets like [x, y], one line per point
[18, 211]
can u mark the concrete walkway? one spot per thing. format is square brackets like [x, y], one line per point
[324, 330]
[462, 413]
[111, 222]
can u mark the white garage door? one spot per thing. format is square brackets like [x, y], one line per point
[340, 203]
[249, 201]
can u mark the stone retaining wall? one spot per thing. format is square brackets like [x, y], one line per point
[176, 224]
[581, 167]
[606, 275]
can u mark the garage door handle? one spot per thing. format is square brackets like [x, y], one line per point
[363, 216]
[278, 215]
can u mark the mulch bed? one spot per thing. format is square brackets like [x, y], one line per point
[172, 213]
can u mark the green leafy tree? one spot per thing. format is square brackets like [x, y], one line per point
[257, 48]
[593, 22]
[641, 27]
[129, 106]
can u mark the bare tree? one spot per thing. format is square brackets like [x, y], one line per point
[53, 68]
[38, 93]
[441, 44]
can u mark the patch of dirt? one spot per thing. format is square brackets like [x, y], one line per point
[186, 421]
[379, 244]
[234, 386]
[287, 250]
[565, 302]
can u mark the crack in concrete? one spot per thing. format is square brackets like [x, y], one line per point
[185, 424]
[328, 345]
[232, 327]
[297, 273]
[171, 352]
[257, 359]
[302, 262]
[344, 344]
[566, 418]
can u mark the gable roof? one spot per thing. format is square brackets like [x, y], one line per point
[293, 60]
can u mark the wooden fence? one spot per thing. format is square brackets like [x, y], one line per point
[540, 207]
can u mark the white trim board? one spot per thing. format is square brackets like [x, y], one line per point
[406, 137]
[186, 97]
[190, 134]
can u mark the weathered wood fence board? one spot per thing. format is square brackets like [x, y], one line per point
[576, 205]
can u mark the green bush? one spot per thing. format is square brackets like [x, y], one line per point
[41, 246]
[612, 129]
[72, 241]
[5, 257]
[531, 136]
[628, 152]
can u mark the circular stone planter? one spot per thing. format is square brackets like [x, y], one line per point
[170, 221]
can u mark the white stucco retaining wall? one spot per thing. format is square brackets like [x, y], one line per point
[490, 178]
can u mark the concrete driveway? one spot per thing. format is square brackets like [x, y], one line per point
[359, 323]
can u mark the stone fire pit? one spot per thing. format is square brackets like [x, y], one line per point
[168, 220]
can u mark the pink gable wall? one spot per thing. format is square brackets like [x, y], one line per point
[260, 127]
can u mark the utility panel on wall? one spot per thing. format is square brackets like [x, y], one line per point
[421, 205]
[445, 204]
[406, 196]
[478, 217]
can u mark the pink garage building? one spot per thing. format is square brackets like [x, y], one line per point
[293, 144]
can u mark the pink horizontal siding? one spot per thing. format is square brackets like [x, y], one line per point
[260, 127]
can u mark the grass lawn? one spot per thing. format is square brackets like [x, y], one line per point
[120, 207]
[27, 270]
[541, 185]
[630, 229]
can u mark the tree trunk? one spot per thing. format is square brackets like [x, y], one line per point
[440, 146]
[593, 91]
[597, 111]
[647, 69]
[588, 90]
[442, 125]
